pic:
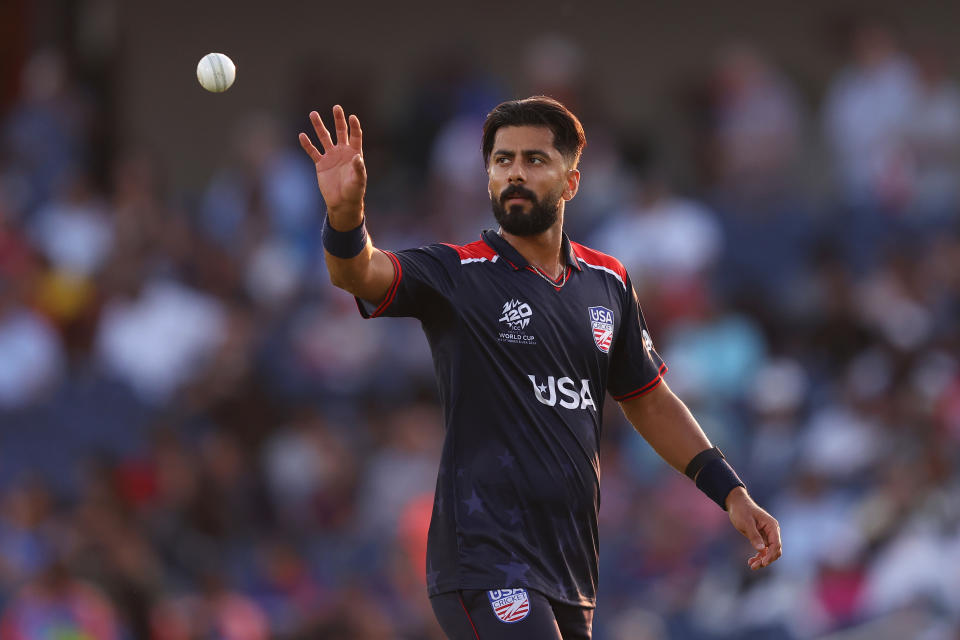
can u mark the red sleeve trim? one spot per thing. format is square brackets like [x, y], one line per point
[392, 291]
[647, 388]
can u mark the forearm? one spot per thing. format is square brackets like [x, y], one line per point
[367, 275]
[667, 425]
[353, 263]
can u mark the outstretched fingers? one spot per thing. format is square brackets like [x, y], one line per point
[309, 148]
[356, 134]
[340, 123]
[348, 134]
[322, 134]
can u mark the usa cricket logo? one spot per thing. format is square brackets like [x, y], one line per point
[510, 605]
[601, 321]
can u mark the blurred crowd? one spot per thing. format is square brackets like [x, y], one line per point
[201, 439]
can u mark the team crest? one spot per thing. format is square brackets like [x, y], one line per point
[510, 605]
[601, 322]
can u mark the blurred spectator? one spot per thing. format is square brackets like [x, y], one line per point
[269, 196]
[27, 546]
[456, 169]
[933, 140]
[865, 117]
[106, 546]
[156, 340]
[31, 354]
[638, 624]
[57, 605]
[17, 258]
[713, 352]
[866, 113]
[403, 468]
[553, 65]
[776, 400]
[288, 593]
[310, 472]
[46, 135]
[664, 240]
[332, 348]
[894, 301]
[756, 124]
[817, 518]
[217, 612]
[74, 231]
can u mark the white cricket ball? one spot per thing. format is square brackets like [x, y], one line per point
[216, 72]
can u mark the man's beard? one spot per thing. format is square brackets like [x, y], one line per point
[542, 215]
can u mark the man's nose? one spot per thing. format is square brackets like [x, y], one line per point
[516, 173]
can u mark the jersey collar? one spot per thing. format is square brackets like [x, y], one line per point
[506, 251]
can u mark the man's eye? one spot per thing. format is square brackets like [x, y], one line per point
[502, 160]
[536, 160]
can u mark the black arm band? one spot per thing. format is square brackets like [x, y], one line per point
[344, 244]
[714, 476]
[701, 459]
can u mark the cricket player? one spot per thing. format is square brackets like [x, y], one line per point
[528, 331]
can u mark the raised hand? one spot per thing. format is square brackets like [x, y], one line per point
[341, 174]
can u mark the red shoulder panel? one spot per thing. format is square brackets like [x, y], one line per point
[475, 250]
[598, 260]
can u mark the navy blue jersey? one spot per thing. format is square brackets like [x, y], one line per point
[522, 365]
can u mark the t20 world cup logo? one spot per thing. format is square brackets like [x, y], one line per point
[516, 315]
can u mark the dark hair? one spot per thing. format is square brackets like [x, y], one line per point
[537, 111]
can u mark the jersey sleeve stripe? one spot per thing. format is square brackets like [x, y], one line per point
[469, 260]
[392, 291]
[474, 252]
[600, 261]
[647, 388]
[607, 269]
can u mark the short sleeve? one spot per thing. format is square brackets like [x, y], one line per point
[421, 278]
[635, 366]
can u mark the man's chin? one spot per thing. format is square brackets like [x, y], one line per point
[525, 219]
[522, 227]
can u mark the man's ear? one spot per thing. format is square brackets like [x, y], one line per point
[573, 184]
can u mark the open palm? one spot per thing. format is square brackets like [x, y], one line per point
[341, 174]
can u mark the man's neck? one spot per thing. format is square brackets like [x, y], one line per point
[543, 250]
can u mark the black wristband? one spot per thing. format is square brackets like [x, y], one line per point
[701, 459]
[717, 479]
[344, 244]
[714, 475]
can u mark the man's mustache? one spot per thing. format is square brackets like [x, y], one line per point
[516, 191]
